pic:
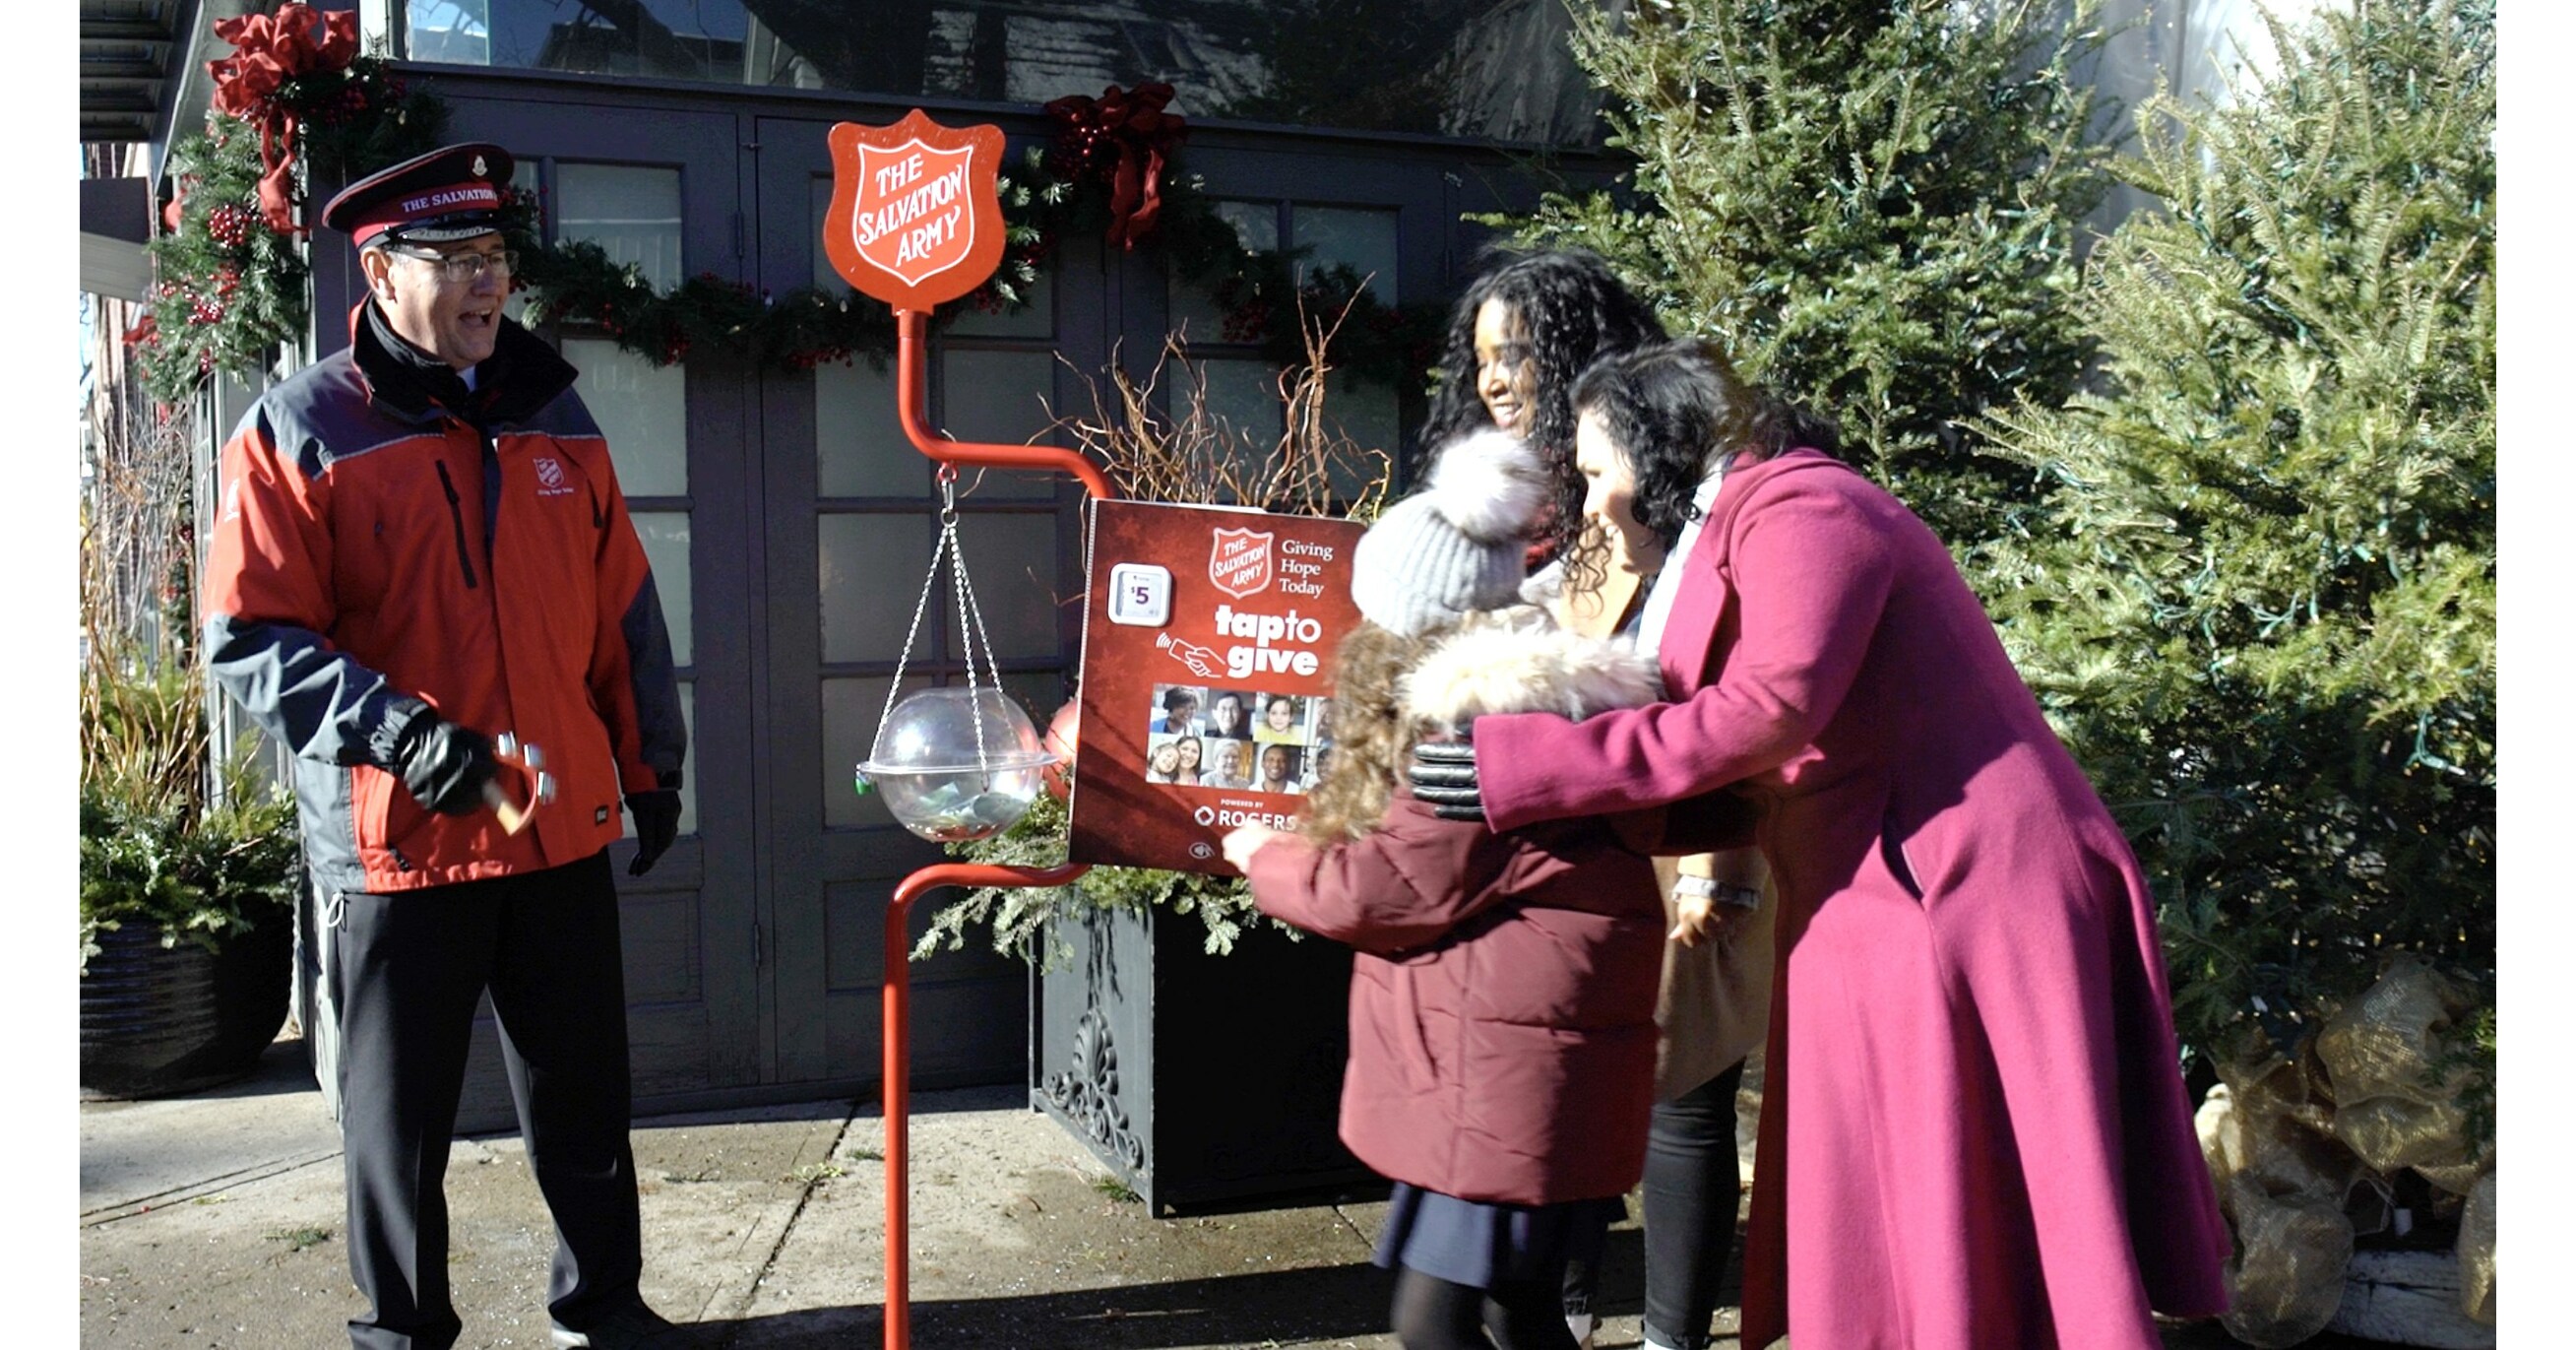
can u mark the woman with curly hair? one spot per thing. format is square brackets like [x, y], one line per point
[1520, 337]
[1525, 328]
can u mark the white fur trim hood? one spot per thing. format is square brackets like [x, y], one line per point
[1519, 660]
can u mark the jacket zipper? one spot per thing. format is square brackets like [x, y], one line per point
[456, 517]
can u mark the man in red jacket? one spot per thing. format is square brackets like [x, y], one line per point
[421, 546]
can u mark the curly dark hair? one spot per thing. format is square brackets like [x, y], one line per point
[1672, 407]
[1576, 311]
[1372, 737]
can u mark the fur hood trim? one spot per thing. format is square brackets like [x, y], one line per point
[1519, 660]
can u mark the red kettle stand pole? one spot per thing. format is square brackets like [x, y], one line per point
[910, 327]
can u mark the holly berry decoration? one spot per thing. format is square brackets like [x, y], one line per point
[229, 225]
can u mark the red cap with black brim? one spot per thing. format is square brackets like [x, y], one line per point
[453, 192]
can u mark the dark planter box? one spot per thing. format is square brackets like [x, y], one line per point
[1201, 1081]
[157, 1023]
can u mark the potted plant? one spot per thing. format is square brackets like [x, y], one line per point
[187, 890]
[188, 861]
[1195, 1046]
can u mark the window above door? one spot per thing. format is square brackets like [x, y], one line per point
[1489, 69]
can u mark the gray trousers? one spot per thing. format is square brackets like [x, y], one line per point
[405, 974]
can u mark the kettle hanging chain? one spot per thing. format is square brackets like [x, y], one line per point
[970, 623]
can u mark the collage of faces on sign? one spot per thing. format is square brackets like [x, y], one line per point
[1240, 739]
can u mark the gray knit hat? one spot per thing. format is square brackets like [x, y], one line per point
[1455, 546]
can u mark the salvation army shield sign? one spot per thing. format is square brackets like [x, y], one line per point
[1239, 561]
[916, 219]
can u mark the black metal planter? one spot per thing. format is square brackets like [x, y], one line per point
[1201, 1081]
[158, 1022]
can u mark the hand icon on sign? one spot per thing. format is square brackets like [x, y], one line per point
[1202, 661]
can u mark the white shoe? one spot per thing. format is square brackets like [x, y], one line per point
[1581, 1325]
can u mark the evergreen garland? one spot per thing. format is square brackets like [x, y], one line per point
[577, 282]
[1023, 918]
[2262, 603]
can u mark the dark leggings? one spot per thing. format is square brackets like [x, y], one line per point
[1433, 1314]
[1692, 1181]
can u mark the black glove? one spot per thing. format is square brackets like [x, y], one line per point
[444, 766]
[1443, 773]
[657, 823]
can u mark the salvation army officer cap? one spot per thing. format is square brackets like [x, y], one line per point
[453, 192]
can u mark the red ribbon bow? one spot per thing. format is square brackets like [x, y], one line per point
[267, 52]
[1131, 126]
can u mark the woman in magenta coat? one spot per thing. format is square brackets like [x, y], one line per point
[1975, 1133]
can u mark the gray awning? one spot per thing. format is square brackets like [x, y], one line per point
[129, 50]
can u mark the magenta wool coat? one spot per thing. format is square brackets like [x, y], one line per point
[1502, 999]
[1975, 1133]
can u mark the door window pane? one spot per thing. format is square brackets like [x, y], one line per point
[859, 447]
[871, 567]
[818, 208]
[1243, 403]
[1361, 239]
[1193, 312]
[852, 708]
[1002, 398]
[1367, 412]
[666, 547]
[642, 408]
[1012, 561]
[634, 213]
[455, 31]
[1034, 320]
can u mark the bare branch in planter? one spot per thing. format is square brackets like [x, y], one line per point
[1169, 445]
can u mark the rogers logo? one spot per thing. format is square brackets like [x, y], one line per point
[1205, 815]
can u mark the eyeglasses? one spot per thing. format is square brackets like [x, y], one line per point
[463, 268]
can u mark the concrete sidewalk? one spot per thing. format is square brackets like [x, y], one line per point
[216, 1220]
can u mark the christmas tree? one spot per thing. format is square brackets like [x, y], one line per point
[1873, 206]
[2262, 606]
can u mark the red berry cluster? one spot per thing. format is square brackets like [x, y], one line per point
[341, 108]
[205, 310]
[1248, 323]
[807, 360]
[230, 224]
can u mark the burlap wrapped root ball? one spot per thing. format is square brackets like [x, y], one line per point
[2305, 1151]
[2282, 1180]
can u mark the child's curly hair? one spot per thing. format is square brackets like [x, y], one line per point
[1372, 738]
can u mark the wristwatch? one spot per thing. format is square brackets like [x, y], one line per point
[1723, 892]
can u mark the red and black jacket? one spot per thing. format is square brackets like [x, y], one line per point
[386, 539]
